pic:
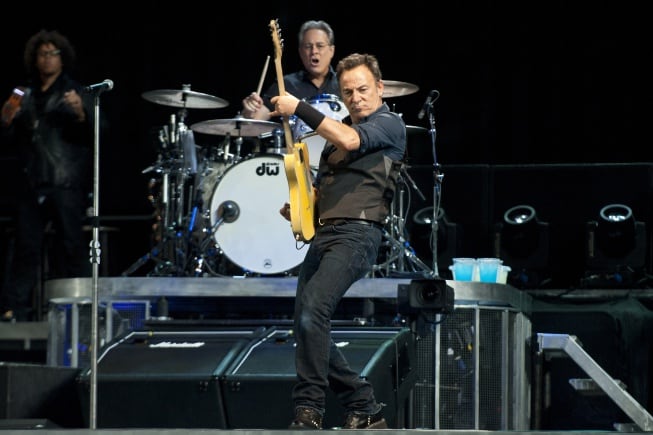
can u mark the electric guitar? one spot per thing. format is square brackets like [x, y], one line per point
[296, 163]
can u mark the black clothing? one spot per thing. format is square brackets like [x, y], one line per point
[354, 192]
[54, 145]
[55, 150]
[361, 184]
[299, 84]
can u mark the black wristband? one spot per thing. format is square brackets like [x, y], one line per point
[309, 114]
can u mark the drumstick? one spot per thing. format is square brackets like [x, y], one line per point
[265, 70]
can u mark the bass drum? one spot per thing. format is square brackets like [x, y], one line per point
[245, 214]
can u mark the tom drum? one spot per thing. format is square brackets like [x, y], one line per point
[331, 106]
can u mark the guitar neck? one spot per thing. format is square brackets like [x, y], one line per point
[282, 91]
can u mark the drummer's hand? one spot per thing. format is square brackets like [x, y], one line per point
[251, 104]
[285, 211]
[284, 105]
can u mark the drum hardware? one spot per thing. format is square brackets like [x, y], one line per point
[235, 157]
[277, 141]
[227, 212]
[178, 201]
[400, 256]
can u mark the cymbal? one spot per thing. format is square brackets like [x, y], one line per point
[398, 89]
[238, 126]
[413, 129]
[184, 98]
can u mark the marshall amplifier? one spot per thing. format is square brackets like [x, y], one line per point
[165, 378]
[257, 386]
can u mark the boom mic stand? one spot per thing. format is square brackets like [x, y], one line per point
[95, 250]
[437, 182]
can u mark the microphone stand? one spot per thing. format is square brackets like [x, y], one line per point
[95, 252]
[437, 189]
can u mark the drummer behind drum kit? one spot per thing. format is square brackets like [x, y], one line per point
[217, 210]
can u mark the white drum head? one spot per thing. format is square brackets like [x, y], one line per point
[258, 238]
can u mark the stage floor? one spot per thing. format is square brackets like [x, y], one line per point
[47, 431]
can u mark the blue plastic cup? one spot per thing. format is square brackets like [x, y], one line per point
[463, 269]
[488, 269]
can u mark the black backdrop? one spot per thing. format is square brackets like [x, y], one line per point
[553, 82]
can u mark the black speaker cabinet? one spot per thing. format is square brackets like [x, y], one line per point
[165, 378]
[32, 392]
[257, 387]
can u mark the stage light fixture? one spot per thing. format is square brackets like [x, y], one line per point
[432, 295]
[615, 248]
[616, 230]
[521, 240]
[520, 234]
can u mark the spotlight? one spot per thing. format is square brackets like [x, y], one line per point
[430, 295]
[522, 242]
[615, 247]
[616, 230]
[520, 234]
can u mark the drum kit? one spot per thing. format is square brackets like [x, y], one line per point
[216, 203]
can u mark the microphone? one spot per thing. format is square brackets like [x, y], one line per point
[430, 99]
[228, 211]
[106, 85]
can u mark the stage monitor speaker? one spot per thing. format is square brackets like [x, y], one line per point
[27, 423]
[165, 378]
[32, 392]
[258, 386]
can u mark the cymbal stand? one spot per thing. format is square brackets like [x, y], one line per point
[170, 252]
[437, 184]
[172, 241]
[200, 247]
[401, 256]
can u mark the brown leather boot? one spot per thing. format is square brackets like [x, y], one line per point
[306, 418]
[365, 421]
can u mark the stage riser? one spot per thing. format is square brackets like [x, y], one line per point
[473, 370]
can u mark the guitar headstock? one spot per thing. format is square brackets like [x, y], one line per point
[276, 38]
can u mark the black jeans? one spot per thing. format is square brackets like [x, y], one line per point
[65, 208]
[338, 256]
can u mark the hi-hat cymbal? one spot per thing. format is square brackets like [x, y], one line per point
[398, 89]
[238, 126]
[185, 98]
